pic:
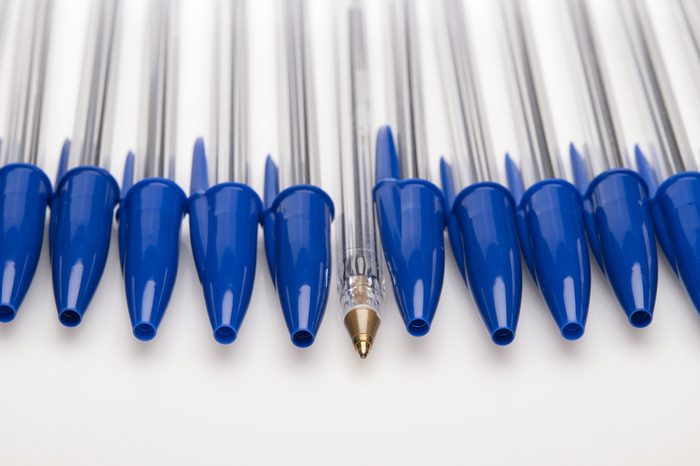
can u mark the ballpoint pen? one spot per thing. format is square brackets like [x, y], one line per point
[410, 209]
[4, 14]
[297, 219]
[617, 213]
[688, 17]
[481, 223]
[25, 190]
[86, 193]
[224, 218]
[360, 273]
[152, 208]
[671, 173]
[549, 212]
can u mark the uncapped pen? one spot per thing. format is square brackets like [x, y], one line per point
[550, 214]
[667, 164]
[360, 273]
[410, 209]
[86, 193]
[24, 188]
[481, 221]
[616, 202]
[297, 218]
[224, 217]
[152, 204]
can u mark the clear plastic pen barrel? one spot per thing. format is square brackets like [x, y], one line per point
[4, 14]
[299, 158]
[229, 136]
[96, 102]
[603, 148]
[156, 152]
[360, 272]
[670, 143]
[21, 140]
[471, 143]
[405, 89]
[689, 16]
[533, 120]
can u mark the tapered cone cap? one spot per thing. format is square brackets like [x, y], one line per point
[81, 228]
[297, 231]
[224, 231]
[485, 218]
[553, 241]
[411, 219]
[620, 230]
[149, 241]
[24, 194]
[676, 208]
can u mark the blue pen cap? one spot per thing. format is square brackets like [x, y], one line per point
[297, 228]
[149, 241]
[484, 240]
[676, 209]
[24, 194]
[618, 220]
[411, 215]
[553, 241]
[224, 232]
[80, 231]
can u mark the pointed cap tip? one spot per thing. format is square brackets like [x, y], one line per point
[144, 331]
[572, 330]
[7, 312]
[640, 318]
[225, 334]
[503, 336]
[70, 317]
[418, 327]
[303, 338]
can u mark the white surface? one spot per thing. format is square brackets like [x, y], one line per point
[95, 395]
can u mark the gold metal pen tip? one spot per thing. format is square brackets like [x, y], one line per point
[362, 346]
[362, 324]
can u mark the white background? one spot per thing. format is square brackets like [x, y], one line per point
[95, 395]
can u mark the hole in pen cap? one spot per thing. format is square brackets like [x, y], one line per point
[302, 338]
[7, 313]
[69, 317]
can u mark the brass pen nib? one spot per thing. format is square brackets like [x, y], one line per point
[362, 323]
[362, 346]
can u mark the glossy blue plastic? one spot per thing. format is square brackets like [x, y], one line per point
[411, 215]
[553, 242]
[149, 240]
[676, 208]
[618, 220]
[224, 232]
[297, 227]
[484, 240]
[24, 194]
[80, 231]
